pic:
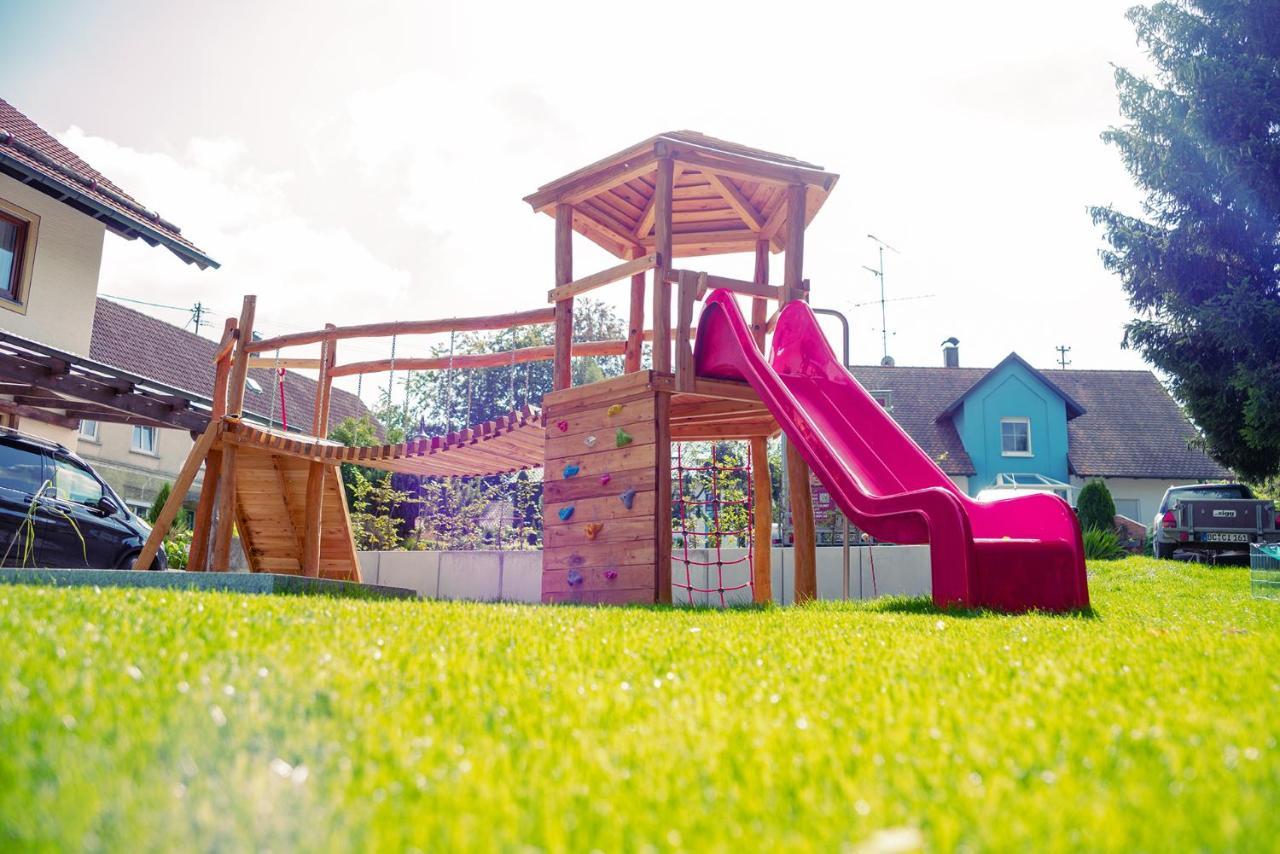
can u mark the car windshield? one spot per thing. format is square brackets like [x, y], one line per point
[1225, 492]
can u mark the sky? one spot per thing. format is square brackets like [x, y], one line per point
[361, 162]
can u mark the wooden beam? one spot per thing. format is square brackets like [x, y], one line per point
[802, 522]
[604, 222]
[267, 363]
[604, 277]
[406, 327]
[749, 168]
[762, 523]
[181, 484]
[313, 511]
[240, 361]
[760, 307]
[562, 370]
[738, 286]
[793, 259]
[741, 204]
[37, 413]
[635, 324]
[540, 353]
[324, 388]
[687, 292]
[665, 181]
[647, 216]
[594, 182]
[202, 525]
[662, 497]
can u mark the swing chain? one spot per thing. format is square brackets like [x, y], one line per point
[514, 406]
[391, 375]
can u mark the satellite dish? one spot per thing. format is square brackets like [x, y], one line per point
[887, 362]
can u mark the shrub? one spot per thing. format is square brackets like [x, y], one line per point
[156, 506]
[177, 546]
[1102, 544]
[1097, 510]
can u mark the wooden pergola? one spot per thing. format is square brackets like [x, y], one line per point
[55, 386]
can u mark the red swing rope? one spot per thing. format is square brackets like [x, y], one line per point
[284, 412]
[713, 536]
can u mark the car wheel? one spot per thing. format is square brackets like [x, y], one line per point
[1164, 551]
[127, 563]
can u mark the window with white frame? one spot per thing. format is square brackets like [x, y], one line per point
[1015, 437]
[144, 439]
[89, 430]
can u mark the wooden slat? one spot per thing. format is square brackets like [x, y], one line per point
[740, 203]
[663, 241]
[604, 277]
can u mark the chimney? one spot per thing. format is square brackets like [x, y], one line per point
[951, 353]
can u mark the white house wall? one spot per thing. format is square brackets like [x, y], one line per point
[1147, 491]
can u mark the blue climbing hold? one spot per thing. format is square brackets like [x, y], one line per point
[565, 513]
[628, 498]
[570, 470]
[574, 578]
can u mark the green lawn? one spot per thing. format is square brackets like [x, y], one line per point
[147, 719]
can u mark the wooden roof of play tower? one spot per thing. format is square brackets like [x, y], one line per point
[727, 197]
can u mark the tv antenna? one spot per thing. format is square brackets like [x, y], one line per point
[879, 274]
[1063, 361]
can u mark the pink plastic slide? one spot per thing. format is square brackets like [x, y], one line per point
[1015, 554]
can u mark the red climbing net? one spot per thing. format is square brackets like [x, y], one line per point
[713, 497]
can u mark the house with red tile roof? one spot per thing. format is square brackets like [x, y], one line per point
[138, 459]
[124, 389]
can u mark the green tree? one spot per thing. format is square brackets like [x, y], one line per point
[157, 505]
[1201, 266]
[1097, 508]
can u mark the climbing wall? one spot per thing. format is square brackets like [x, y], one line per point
[607, 449]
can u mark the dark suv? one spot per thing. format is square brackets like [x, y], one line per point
[56, 512]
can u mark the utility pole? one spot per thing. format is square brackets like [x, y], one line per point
[1063, 361]
[197, 315]
[879, 273]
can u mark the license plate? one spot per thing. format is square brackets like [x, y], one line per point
[1218, 537]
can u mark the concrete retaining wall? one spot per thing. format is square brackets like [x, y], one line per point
[517, 576]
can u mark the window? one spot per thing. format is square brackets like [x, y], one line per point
[20, 469]
[73, 483]
[144, 440]
[17, 250]
[89, 430]
[1015, 437]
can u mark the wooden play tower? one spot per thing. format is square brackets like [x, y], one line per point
[606, 447]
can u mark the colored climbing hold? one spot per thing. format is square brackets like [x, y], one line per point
[570, 470]
[576, 560]
[574, 578]
[605, 478]
[565, 513]
[610, 574]
[590, 441]
[592, 529]
[623, 438]
[628, 498]
[562, 426]
[614, 410]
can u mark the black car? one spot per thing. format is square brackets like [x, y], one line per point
[56, 512]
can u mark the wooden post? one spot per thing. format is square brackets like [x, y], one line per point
[759, 306]
[802, 523]
[635, 330]
[687, 291]
[324, 386]
[562, 372]
[180, 486]
[662, 496]
[226, 503]
[198, 557]
[762, 523]
[313, 506]
[662, 193]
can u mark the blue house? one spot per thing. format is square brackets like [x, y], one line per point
[1016, 425]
